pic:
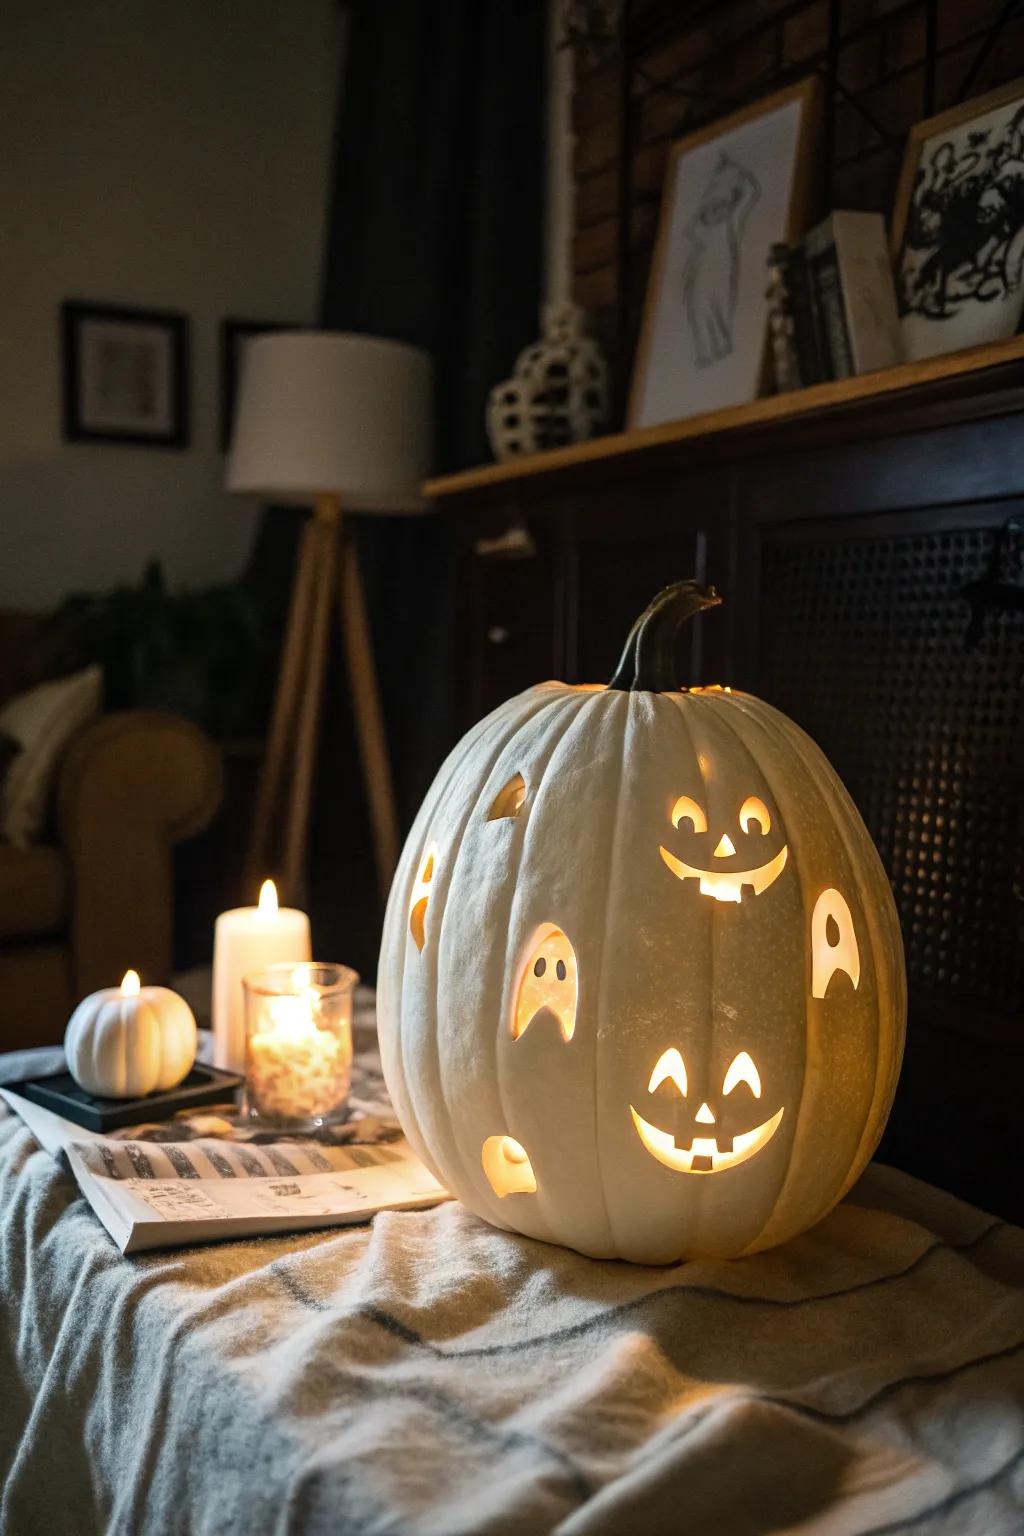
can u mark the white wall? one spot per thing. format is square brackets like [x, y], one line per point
[166, 153]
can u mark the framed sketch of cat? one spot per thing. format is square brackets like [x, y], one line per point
[958, 226]
[732, 190]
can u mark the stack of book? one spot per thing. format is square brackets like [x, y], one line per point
[832, 302]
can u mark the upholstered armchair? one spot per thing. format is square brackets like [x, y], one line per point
[95, 898]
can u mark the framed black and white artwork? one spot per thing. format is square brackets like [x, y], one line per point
[235, 336]
[125, 375]
[958, 226]
[732, 190]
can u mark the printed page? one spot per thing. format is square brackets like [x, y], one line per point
[162, 1193]
[152, 1212]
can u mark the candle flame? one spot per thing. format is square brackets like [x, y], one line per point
[268, 898]
[301, 978]
[290, 1020]
[130, 984]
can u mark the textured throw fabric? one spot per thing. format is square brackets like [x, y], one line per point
[428, 1374]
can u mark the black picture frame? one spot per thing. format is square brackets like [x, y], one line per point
[233, 335]
[132, 382]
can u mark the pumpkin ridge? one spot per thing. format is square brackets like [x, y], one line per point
[467, 1161]
[560, 740]
[524, 713]
[765, 718]
[682, 703]
[888, 945]
[390, 990]
[809, 755]
[879, 945]
[622, 725]
[588, 710]
[719, 705]
[892, 949]
[497, 729]
[719, 716]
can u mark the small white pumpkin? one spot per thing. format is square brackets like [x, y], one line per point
[129, 1041]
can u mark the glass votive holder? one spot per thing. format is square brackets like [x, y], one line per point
[298, 1045]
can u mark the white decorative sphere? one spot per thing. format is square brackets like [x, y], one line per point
[558, 393]
[122, 1043]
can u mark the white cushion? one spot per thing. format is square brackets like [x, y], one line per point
[42, 721]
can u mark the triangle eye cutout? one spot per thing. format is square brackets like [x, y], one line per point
[509, 800]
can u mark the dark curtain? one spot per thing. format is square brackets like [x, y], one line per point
[435, 230]
[435, 238]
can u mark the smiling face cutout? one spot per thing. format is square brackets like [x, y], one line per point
[728, 880]
[702, 1141]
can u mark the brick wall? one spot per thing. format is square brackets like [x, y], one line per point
[686, 64]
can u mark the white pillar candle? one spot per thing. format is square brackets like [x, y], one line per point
[249, 939]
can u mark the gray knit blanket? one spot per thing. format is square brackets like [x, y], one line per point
[429, 1376]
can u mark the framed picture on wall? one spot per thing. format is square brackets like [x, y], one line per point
[234, 337]
[732, 190]
[125, 375]
[958, 226]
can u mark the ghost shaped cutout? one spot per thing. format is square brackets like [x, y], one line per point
[549, 983]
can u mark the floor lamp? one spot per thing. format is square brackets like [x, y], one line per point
[343, 424]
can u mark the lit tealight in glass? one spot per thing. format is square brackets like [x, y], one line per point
[298, 1047]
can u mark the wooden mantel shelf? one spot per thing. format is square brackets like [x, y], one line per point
[974, 367]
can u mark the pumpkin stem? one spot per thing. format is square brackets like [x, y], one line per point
[648, 660]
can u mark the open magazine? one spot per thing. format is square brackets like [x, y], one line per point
[153, 1190]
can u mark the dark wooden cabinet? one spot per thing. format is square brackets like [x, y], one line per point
[849, 542]
[599, 554]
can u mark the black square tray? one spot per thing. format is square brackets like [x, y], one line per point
[60, 1093]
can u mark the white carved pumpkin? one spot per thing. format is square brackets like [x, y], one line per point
[125, 1042]
[641, 988]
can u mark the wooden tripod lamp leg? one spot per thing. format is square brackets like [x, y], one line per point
[290, 762]
[286, 698]
[369, 720]
[326, 523]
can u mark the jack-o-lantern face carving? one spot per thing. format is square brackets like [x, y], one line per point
[727, 881]
[577, 1032]
[701, 1141]
[549, 984]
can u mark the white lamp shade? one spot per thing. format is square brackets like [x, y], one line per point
[321, 412]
